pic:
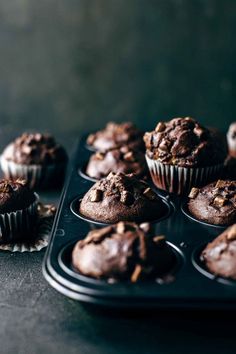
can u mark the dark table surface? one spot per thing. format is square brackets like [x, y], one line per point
[34, 318]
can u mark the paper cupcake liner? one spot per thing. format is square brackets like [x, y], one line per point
[15, 223]
[41, 235]
[180, 180]
[37, 176]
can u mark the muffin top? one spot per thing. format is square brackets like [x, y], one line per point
[231, 139]
[35, 149]
[15, 195]
[115, 135]
[120, 197]
[121, 159]
[214, 203]
[185, 143]
[220, 255]
[122, 251]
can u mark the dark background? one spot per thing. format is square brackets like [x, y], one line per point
[70, 66]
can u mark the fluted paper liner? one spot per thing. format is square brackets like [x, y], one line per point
[39, 238]
[180, 180]
[36, 175]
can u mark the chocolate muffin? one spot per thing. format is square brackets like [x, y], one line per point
[115, 135]
[230, 162]
[231, 139]
[121, 159]
[38, 158]
[122, 252]
[220, 255]
[120, 197]
[182, 153]
[18, 210]
[214, 203]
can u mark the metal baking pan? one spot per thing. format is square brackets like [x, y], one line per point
[189, 284]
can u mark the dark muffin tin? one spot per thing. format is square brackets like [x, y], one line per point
[188, 285]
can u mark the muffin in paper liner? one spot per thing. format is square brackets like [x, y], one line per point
[41, 233]
[37, 176]
[16, 223]
[180, 180]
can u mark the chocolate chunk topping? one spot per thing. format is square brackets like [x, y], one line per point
[121, 159]
[126, 198]
[160, 127]
[14, 195]
[118, 193]
[115, 135]
[149, 193]
[99, 155]
[219, 201]
[121, 251]
[215, 203]
[193, 193]
[35, 149]
[184, 142]
[159, 239]
[231, 235]
[129, 156]
[96, 195]
[136, 273]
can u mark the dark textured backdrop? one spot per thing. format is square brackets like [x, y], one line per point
[72, 65]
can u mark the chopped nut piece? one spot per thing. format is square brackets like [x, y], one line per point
[193, 193]
[129, 156]
[126, 198]
[148, 193]
[99, 155]
[160, 127]
[121, 228]
[219, 201]
[232, 233]
[96, 195]
[220, 183]
[136, 273]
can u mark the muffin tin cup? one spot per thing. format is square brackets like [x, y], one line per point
[187, 213]
[38, 176]
[65, 260]
[199, 264]
[180, 180]
[187, 289]
[74, 207]
[18, 225]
